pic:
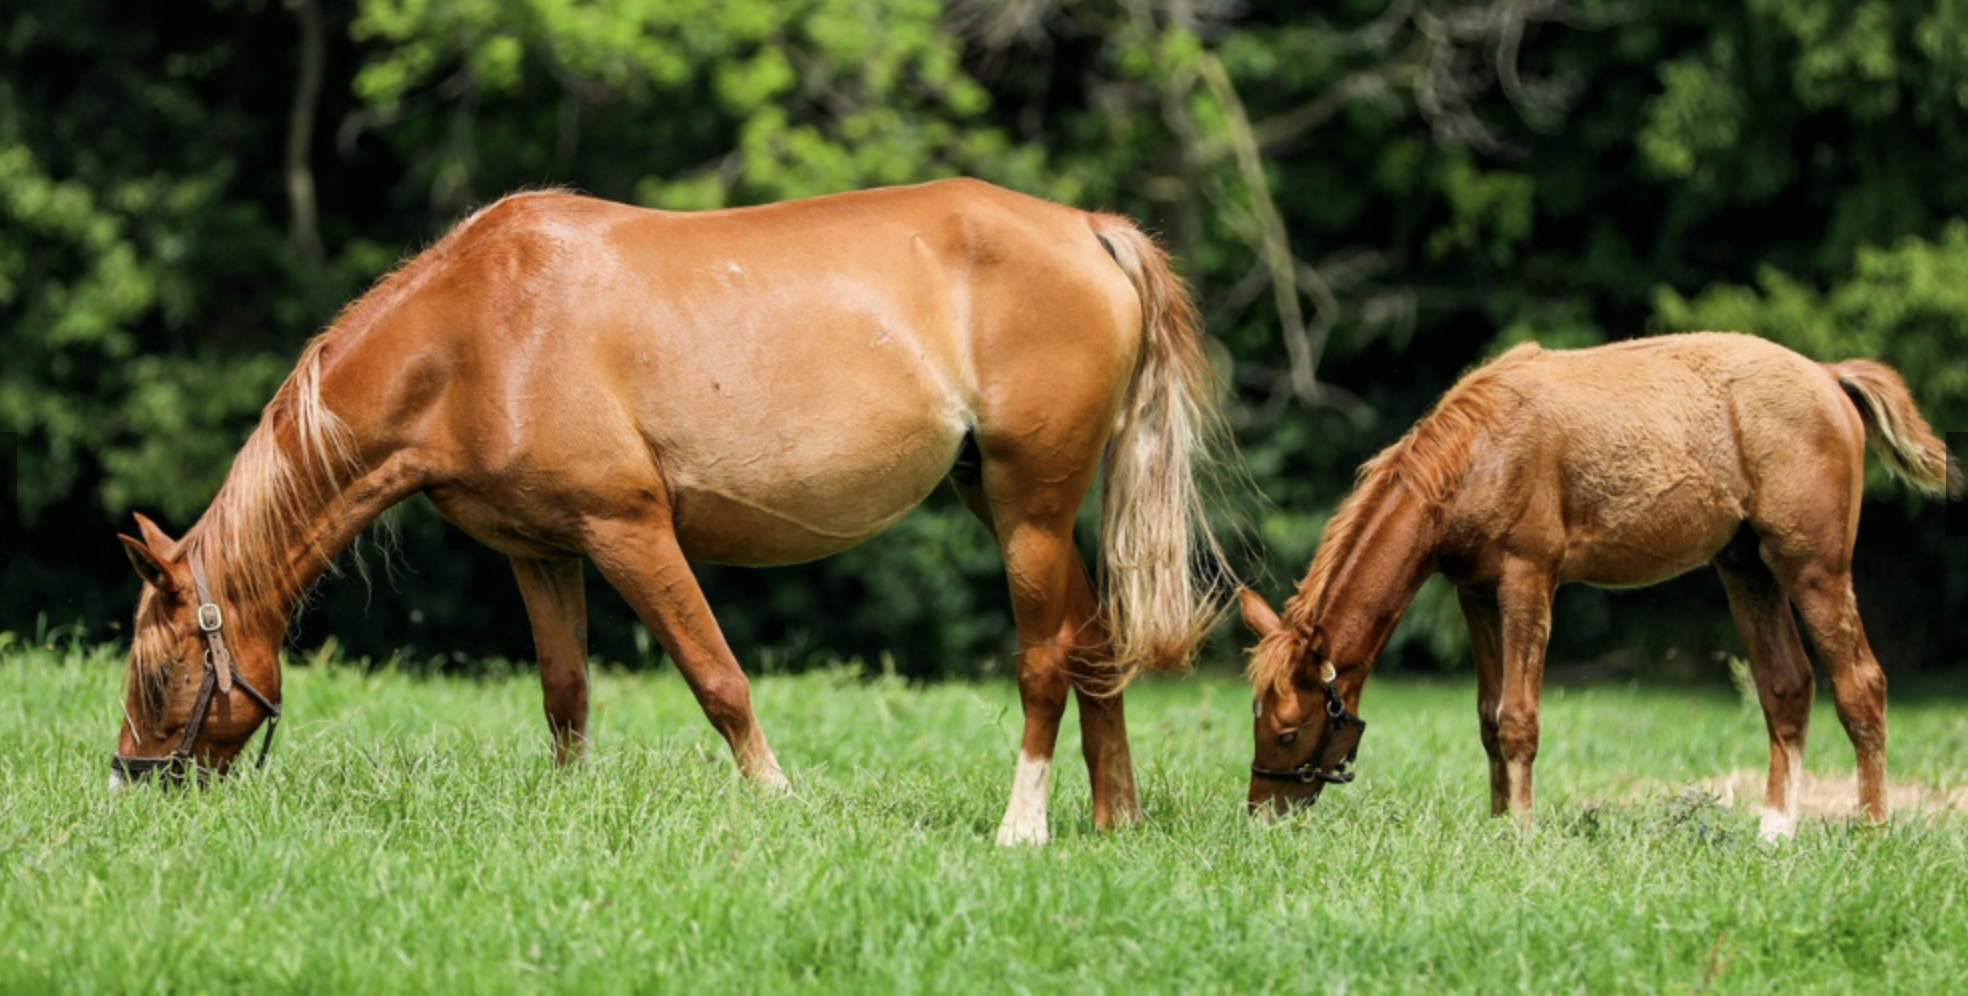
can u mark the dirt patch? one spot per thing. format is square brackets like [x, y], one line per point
[1833, 795]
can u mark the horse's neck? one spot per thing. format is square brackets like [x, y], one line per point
[270, 535]
[1377, 577]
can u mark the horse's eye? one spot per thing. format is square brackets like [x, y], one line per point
[1287, 738]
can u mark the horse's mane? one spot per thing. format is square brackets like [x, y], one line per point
[299, 458]
[1428, 461]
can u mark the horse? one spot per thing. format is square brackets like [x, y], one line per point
[1621, 466]
[567, 378]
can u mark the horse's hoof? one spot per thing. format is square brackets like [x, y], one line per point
[1015, 835]
[772, 781]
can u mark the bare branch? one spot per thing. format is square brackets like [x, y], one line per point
[302, 230]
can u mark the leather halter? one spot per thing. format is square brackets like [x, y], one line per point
[1340, 723]
[221, 674]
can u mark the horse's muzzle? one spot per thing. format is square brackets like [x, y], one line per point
[172, 769]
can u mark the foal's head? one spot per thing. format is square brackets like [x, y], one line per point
[170, 650]
[1305, 729]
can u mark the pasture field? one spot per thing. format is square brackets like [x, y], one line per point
[410, 836]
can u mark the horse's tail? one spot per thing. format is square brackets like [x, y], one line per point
[1165, 579]
[1894, 428]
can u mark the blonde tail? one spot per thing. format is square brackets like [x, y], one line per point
[1165, 579]
[1894, 428]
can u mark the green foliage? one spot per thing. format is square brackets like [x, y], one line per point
[1906, 304]
[1368, 198]
[816, 96]
[409, 835]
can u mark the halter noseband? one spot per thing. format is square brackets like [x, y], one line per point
[1340, 722]
[220, 676]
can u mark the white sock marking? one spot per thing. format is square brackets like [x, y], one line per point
[1025, 817]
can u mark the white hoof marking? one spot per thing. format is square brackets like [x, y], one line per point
[1025, 816]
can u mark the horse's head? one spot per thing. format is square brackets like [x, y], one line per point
[1305, 732]
[189, 705]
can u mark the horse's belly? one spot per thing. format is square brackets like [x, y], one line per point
[1639, 543]
[811, 502]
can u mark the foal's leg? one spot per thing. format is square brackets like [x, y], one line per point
[557, 606]
[1823, 595]
[1485, 621]
[1524, 601]
[643, 561]
[1783, 675]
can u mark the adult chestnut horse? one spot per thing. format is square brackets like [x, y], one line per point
[1622, 465]
[570, 378]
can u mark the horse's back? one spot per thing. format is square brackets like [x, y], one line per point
[1664, 443]
[792, 377]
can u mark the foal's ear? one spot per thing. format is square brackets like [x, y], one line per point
[1257, 614]
[147, 557]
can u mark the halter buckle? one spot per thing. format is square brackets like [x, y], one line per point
[210, 619]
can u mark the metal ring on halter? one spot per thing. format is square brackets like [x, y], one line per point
[1340, 722]
[220, 675]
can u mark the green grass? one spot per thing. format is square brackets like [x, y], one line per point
[409, 836]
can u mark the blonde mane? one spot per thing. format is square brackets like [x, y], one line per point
[298, 460]
[1428, 461]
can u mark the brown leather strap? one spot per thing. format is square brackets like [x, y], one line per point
[212, 620]
[220, 675]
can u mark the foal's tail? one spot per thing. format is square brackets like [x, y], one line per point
[1894, 428]
[1165, 579]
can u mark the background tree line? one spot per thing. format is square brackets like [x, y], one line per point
[1368, 197]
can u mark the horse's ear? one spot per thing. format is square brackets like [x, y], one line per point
[153, 537]
[148, 556]
[149, 564]
[1257, 613]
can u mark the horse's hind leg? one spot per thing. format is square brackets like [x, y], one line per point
[1060, 643]
[557, 606]
[1822, 592]
[1104, 743]
[1043, 568]
[1783, 675]
[643, 561]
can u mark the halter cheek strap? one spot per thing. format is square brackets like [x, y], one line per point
[212, 621]
[221, 674]
[1342, 728]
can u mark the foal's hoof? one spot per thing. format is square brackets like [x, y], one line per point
[1776, 827]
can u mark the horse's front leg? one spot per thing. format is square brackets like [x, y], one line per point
[1524, 604]
[642, 559]
[557, 606]
[1485, 622]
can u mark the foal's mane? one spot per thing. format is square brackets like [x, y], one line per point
[297, 460]
[1428, 461]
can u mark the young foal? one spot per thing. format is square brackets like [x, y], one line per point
[568, 378]
[1622, 465]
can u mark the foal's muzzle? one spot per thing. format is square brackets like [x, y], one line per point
[1340, 739]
